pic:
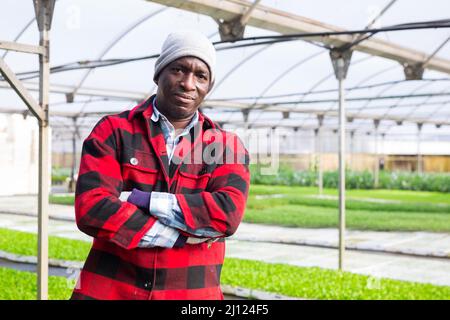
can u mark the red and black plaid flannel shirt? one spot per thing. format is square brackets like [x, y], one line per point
[127, 151]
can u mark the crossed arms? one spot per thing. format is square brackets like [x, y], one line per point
[215, 212]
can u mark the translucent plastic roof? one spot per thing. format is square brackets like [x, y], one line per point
[294, 76]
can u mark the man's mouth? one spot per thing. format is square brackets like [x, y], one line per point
[184, 97]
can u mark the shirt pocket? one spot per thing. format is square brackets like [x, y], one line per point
[192, 179]
[139, 170]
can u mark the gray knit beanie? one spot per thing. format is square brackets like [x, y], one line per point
[186, 43]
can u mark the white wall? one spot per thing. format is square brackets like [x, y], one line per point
[19, 146]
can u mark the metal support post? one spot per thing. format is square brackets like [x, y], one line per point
[74, 153]
[376, 168]
[341, 62]
[351, 147]
[245, 114]
[382, 148]
[319, 153]
[419, 155]
[44, 13]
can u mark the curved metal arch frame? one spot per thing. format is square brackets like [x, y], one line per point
[380, 14]
[418, 88]
[381, 117]
[117, 39]
[310, 91]
[284, 74]
[371, 23]
[424, 103]
[20, 34]
[417, 106]
[237, 66]
[426, 99]
[361, 82]
[277, 79]
[113, 42]
[330, 75]
[358, 110]
[400, 99]
[436, 110]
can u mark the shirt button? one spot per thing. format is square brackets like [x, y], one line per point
[134, 161]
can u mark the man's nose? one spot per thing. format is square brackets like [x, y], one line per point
[188, 82]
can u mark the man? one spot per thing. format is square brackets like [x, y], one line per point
[160, 187]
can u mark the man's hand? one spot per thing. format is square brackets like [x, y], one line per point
[141, 199]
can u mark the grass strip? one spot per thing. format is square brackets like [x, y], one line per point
[306, 282]
[319, 217]
[21, 285]
[25, 243]
[296, 208]
[64, 199]
[318, 283]
[406, 196]
[255, 203]
[410, 199]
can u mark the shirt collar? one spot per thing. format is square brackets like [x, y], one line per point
[156, 115]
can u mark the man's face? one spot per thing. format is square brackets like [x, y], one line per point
[182, 86]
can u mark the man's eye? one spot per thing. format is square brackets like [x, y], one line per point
[176, 69]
